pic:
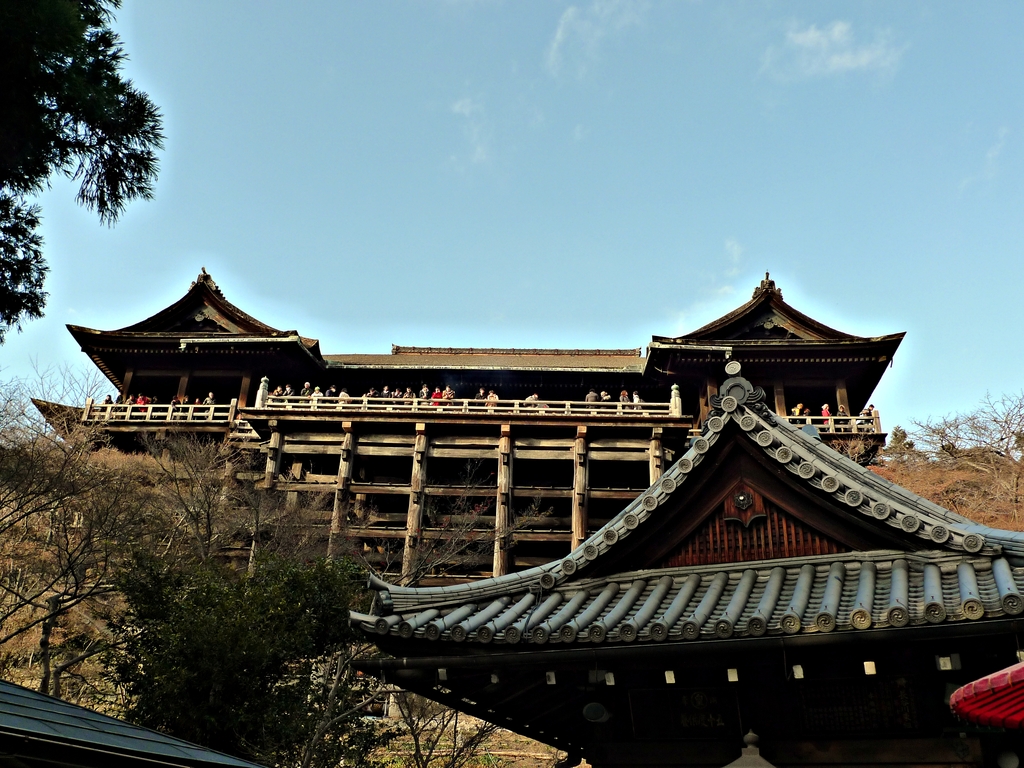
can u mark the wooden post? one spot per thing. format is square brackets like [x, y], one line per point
[87, 411]
[291, 499]
[348, 455]
[183, 386]
[656, 455]
[243, 393]
[232, 410]
[675, 402]
[579, 488]
[338, 517]
[417, 485]
[273, 456]
[710, 389]
[126, 386]
[503, 540]
[780, 398]
[842, 397]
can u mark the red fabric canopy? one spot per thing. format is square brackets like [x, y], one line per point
[996, 700]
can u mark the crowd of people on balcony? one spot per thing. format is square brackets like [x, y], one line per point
[437, 395]
[840, 421]
[145, 400]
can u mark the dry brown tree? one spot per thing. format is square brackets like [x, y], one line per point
[437, 736]
[971, 462]
[70, 512]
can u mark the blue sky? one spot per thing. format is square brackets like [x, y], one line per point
[573, 175]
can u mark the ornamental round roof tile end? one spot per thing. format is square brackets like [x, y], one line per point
[860, 619]
[974, 542]
[910, 523]
[898, 616]
[972, 608]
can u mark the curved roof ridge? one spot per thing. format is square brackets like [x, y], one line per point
[766, 293]
[203, 287]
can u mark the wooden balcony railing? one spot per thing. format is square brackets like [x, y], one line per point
[467, 406]
[162, 412]
[870, 425]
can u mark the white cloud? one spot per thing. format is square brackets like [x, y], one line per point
[474, 128]
[580, 32]
[990, 167]
[814, 52]
[733, 254]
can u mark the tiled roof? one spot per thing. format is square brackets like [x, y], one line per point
[28, 715]
[546, 590]
[552, 360]
[827, 593]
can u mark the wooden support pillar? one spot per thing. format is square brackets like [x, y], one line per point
[183, 386]
[414, 518]
[338, 517]
[579, 488]
[656, 455]
[709, 390]
[780, 398]
[842, 396]
[503, 540]
[273, 456]
[243, 393]
[126, 386]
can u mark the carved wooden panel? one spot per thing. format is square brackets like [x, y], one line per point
[748, 527]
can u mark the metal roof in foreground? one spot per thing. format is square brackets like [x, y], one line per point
[38, 730]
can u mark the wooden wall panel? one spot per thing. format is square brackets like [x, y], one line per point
[760, 531]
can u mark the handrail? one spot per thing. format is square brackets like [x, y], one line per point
[840, 424]
[161, 412]
[465, 405]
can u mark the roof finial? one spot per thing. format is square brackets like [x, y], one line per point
[205, 279]
[767, 285]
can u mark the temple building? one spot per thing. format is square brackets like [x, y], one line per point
[523, 475]
[634, 555]
[764, 581]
